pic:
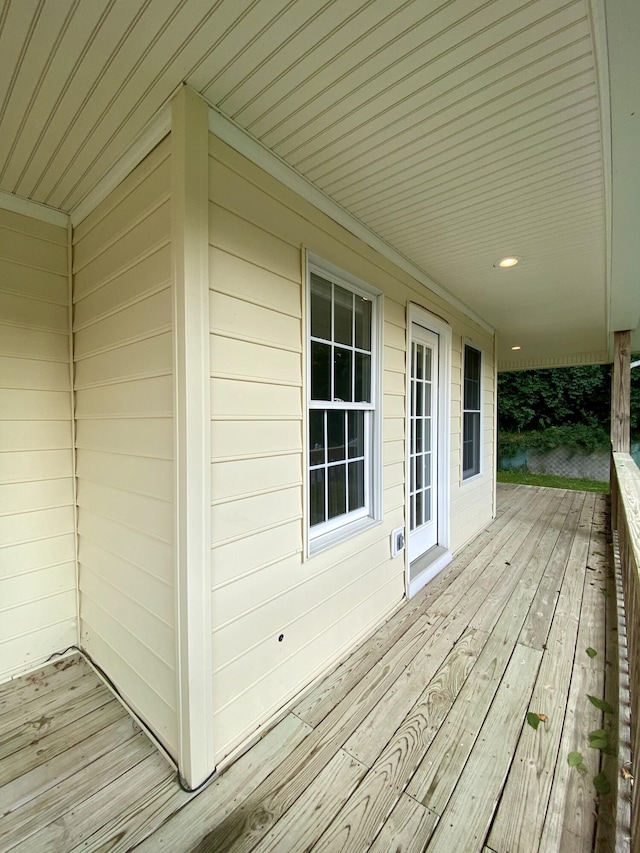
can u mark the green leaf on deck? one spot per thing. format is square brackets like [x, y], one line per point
[599, 739]
[591, 652]
[575, 760]
[601, 784]
[602, 704]
[533, 720]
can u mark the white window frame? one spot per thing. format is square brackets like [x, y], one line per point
[331, 532]
[470, 477]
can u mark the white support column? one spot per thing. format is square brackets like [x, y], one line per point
[190, 252]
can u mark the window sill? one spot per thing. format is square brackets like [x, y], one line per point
[340, 534]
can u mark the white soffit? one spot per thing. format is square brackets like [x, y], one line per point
[456, 132]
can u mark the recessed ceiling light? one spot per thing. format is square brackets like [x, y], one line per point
[516, 347]
[505, 263]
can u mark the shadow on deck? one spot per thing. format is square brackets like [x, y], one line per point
[418, 741]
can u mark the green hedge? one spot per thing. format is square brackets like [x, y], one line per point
[581, 438]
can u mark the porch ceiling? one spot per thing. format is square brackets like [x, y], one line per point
[459, 131]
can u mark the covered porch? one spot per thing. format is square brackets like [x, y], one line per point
[418, 741]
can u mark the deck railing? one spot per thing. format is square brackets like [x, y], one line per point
[625, 523]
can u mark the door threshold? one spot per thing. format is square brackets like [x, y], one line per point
[426, 567]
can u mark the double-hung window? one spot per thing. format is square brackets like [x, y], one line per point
[471, 413]
[342, 402]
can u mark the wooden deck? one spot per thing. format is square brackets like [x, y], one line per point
[419, 741]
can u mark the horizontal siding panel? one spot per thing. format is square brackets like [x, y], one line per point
[395, 337]
[395, 313]
[34, 435]
[151, 668]
[116, 197]
[35, 465]
[253, 439]
[141, 320]
[32, 283]
[127, 288]
[394, 383]
[142, 398]
[231, 357]
[31, 343]
[33, 405]
[27, 497]
[234, 399]
[142, 624]
[394, 359]
[143, 476]
[153, 516]
[152, 555]
[393, 405]
[148, 590]
[32, 374]
[289, 674]
[28, 556]
[29, 617]
[35, 228]
[20, 589]
[238, 237]
[39, 524]
[243, 319]
[152, 437]
[393, 429]
[242, 517]
[238, 277]
[133, 685]
[26, 652]
[298, 611]
[135, 206]
[243, 556]
[23, 248]
[145, 358]
[144, 237]
[33, 314]
[231, 479]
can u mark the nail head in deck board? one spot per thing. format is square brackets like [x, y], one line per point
[271, 799]
[358, 823]
[407, 828]
[323, 698]
[79, 755]
[32, 824]
[521, 812]
[176, 828]
[441, 651]
[43, 728]
[306, 820]
[570, 822]
[55, 746]
[466, 819]
[437, 774]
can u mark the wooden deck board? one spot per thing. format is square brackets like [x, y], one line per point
[416, 742]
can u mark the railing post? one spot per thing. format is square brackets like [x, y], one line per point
[621, 393]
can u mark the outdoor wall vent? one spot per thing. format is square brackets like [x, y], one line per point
[397, 541]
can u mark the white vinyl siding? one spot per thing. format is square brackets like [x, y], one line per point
[37, 551]
[124, 412]
[262, 585]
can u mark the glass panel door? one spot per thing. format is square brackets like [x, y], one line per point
[423, 441]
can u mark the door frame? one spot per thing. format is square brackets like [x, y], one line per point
[438, 557]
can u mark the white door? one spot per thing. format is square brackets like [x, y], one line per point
[422, 510]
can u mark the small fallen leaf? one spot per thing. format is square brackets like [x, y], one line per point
[575, 760]
[626, 774]
[602, 704]
[601, 784]
[598, 739]
[591, 652]
[533, 720]
[543, 718]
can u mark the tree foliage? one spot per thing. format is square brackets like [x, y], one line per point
[535, 400]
